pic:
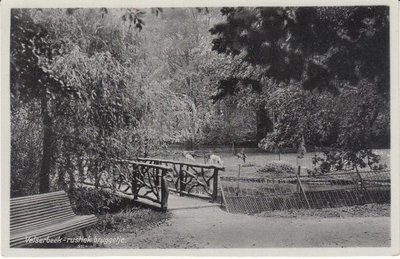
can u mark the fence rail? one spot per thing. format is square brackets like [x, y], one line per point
[253, 195]
[193, 179]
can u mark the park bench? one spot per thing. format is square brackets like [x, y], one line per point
[44, 215]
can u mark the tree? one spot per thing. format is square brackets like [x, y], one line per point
[79, 83]
[183, 71]
[102, 93]
[29, 81]
[316, 46]
[313, 49]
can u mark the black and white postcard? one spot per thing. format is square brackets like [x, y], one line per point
[200, 128]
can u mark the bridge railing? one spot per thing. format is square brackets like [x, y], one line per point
[141, 180]
[192, 179]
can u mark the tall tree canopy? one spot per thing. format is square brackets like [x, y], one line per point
[320, 47]
[306, 66]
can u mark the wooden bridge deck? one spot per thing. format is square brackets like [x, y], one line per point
[176, 202]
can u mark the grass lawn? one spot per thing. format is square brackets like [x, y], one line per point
[256, 160]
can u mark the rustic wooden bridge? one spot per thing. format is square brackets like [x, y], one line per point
[149, 180]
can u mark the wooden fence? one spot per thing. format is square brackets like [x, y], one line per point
[192, 179]
[254, 195]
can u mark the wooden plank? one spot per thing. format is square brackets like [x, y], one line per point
[40, 222]
[30, 218]
[59, 218]
[35, 208]
[38, 202]
[40, 195]
[33, 211]
[191, 194]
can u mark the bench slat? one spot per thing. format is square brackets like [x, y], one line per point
[40, 195]
[38, 205]
[28, 220]
[27, 199]
[40, 223]
[40, 210]
[37, 201]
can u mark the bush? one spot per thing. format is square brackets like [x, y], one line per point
[342, 160]
[91, 201]
[278, 168]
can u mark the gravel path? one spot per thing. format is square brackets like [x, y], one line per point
[211, 227]
[367, 210]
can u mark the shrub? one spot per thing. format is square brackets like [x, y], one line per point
[278, 168]
[91, 201]
[342, 160]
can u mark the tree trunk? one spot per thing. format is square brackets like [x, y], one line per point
[264, 123]
[48, 148]
[70, 170]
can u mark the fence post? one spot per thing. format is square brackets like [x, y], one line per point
[238, 182]
[301, 186]
[164, 191]
[215, 185]
[181, 184]
[362, 185]
[223, 200]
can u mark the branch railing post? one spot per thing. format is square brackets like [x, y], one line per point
[215, 185]
[164, 190]
[134, 182]
[181, 184]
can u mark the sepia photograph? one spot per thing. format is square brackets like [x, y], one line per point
[250, 127]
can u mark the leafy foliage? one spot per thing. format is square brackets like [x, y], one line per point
[26, 149]
[90, 201]
[347, 161]
[317, 46]
[285, 58]
[81, 87]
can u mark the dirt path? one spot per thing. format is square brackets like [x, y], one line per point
[211, 227]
